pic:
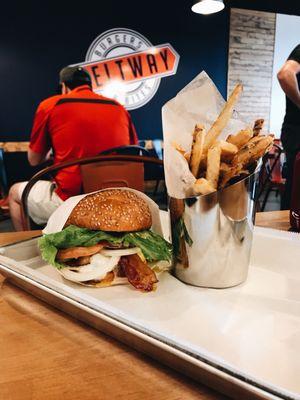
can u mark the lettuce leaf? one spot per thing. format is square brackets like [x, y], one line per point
[180, 231]
[152, 245]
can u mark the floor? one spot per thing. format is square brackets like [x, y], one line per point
[273, 203]
[6, 226]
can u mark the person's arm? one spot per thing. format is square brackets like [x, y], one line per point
[40, 142]
[133, 137]
[287, 78]
[36, 158]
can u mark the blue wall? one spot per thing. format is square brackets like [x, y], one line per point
[36, 41]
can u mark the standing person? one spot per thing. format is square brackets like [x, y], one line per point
[76, 124]
[289, 79]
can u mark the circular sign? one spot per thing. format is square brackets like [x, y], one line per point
[118, 42]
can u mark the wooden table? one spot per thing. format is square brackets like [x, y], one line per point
[274, 219]
[45, 355]
[14, 146]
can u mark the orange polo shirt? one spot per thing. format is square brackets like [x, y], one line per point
[77, 125]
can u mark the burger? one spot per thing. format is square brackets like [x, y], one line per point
[107, 240]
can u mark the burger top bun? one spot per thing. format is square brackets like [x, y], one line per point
[114, 210]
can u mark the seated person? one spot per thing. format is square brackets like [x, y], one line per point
[76, 124]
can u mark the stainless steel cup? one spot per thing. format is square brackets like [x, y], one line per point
[212, 235]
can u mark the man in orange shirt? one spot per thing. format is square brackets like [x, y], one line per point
[79, 123]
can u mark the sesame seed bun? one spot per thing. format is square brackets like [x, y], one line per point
[113, 210]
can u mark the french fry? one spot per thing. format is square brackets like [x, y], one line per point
[228, 150]
[250, 153]
[217, 162]
[222, 119]
[241, 138]
[224, 167]
[263, 146]
[233, 171]
[197, 149]
[187, 156]
[253, 150]
[258, 125]
[255, 139]
[213, 165]
[182, 151]
[227, 168]
[244, 155]
[179, 148]
[244, 172]
[202, 186]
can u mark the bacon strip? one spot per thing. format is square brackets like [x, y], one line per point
[76, 252]
[138, 273]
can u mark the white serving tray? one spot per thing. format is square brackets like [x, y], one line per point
[243, 341]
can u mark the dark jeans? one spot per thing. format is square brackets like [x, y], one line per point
[287, 195]
[290, 138]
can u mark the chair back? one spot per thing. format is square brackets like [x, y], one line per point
[107, 174]
[125, 180]
[132, 150]
[270, 175]
[151, 171]
[274, 164]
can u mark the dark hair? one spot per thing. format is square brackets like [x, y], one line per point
[75, 76]
[74, 84]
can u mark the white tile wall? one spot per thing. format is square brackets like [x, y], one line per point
[250, 61]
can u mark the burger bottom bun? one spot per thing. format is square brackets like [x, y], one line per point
[102, 283]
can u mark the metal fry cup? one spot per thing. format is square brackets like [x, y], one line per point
[212, 235]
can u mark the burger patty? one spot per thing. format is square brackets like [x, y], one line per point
[79, 262]
[138, 273]
[82, 251]
[79, 251]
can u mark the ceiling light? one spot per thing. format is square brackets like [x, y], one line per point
[207, 6]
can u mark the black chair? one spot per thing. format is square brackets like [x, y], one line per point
[27, 223]
[152, 172]
[131, 150]
[270, 176]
